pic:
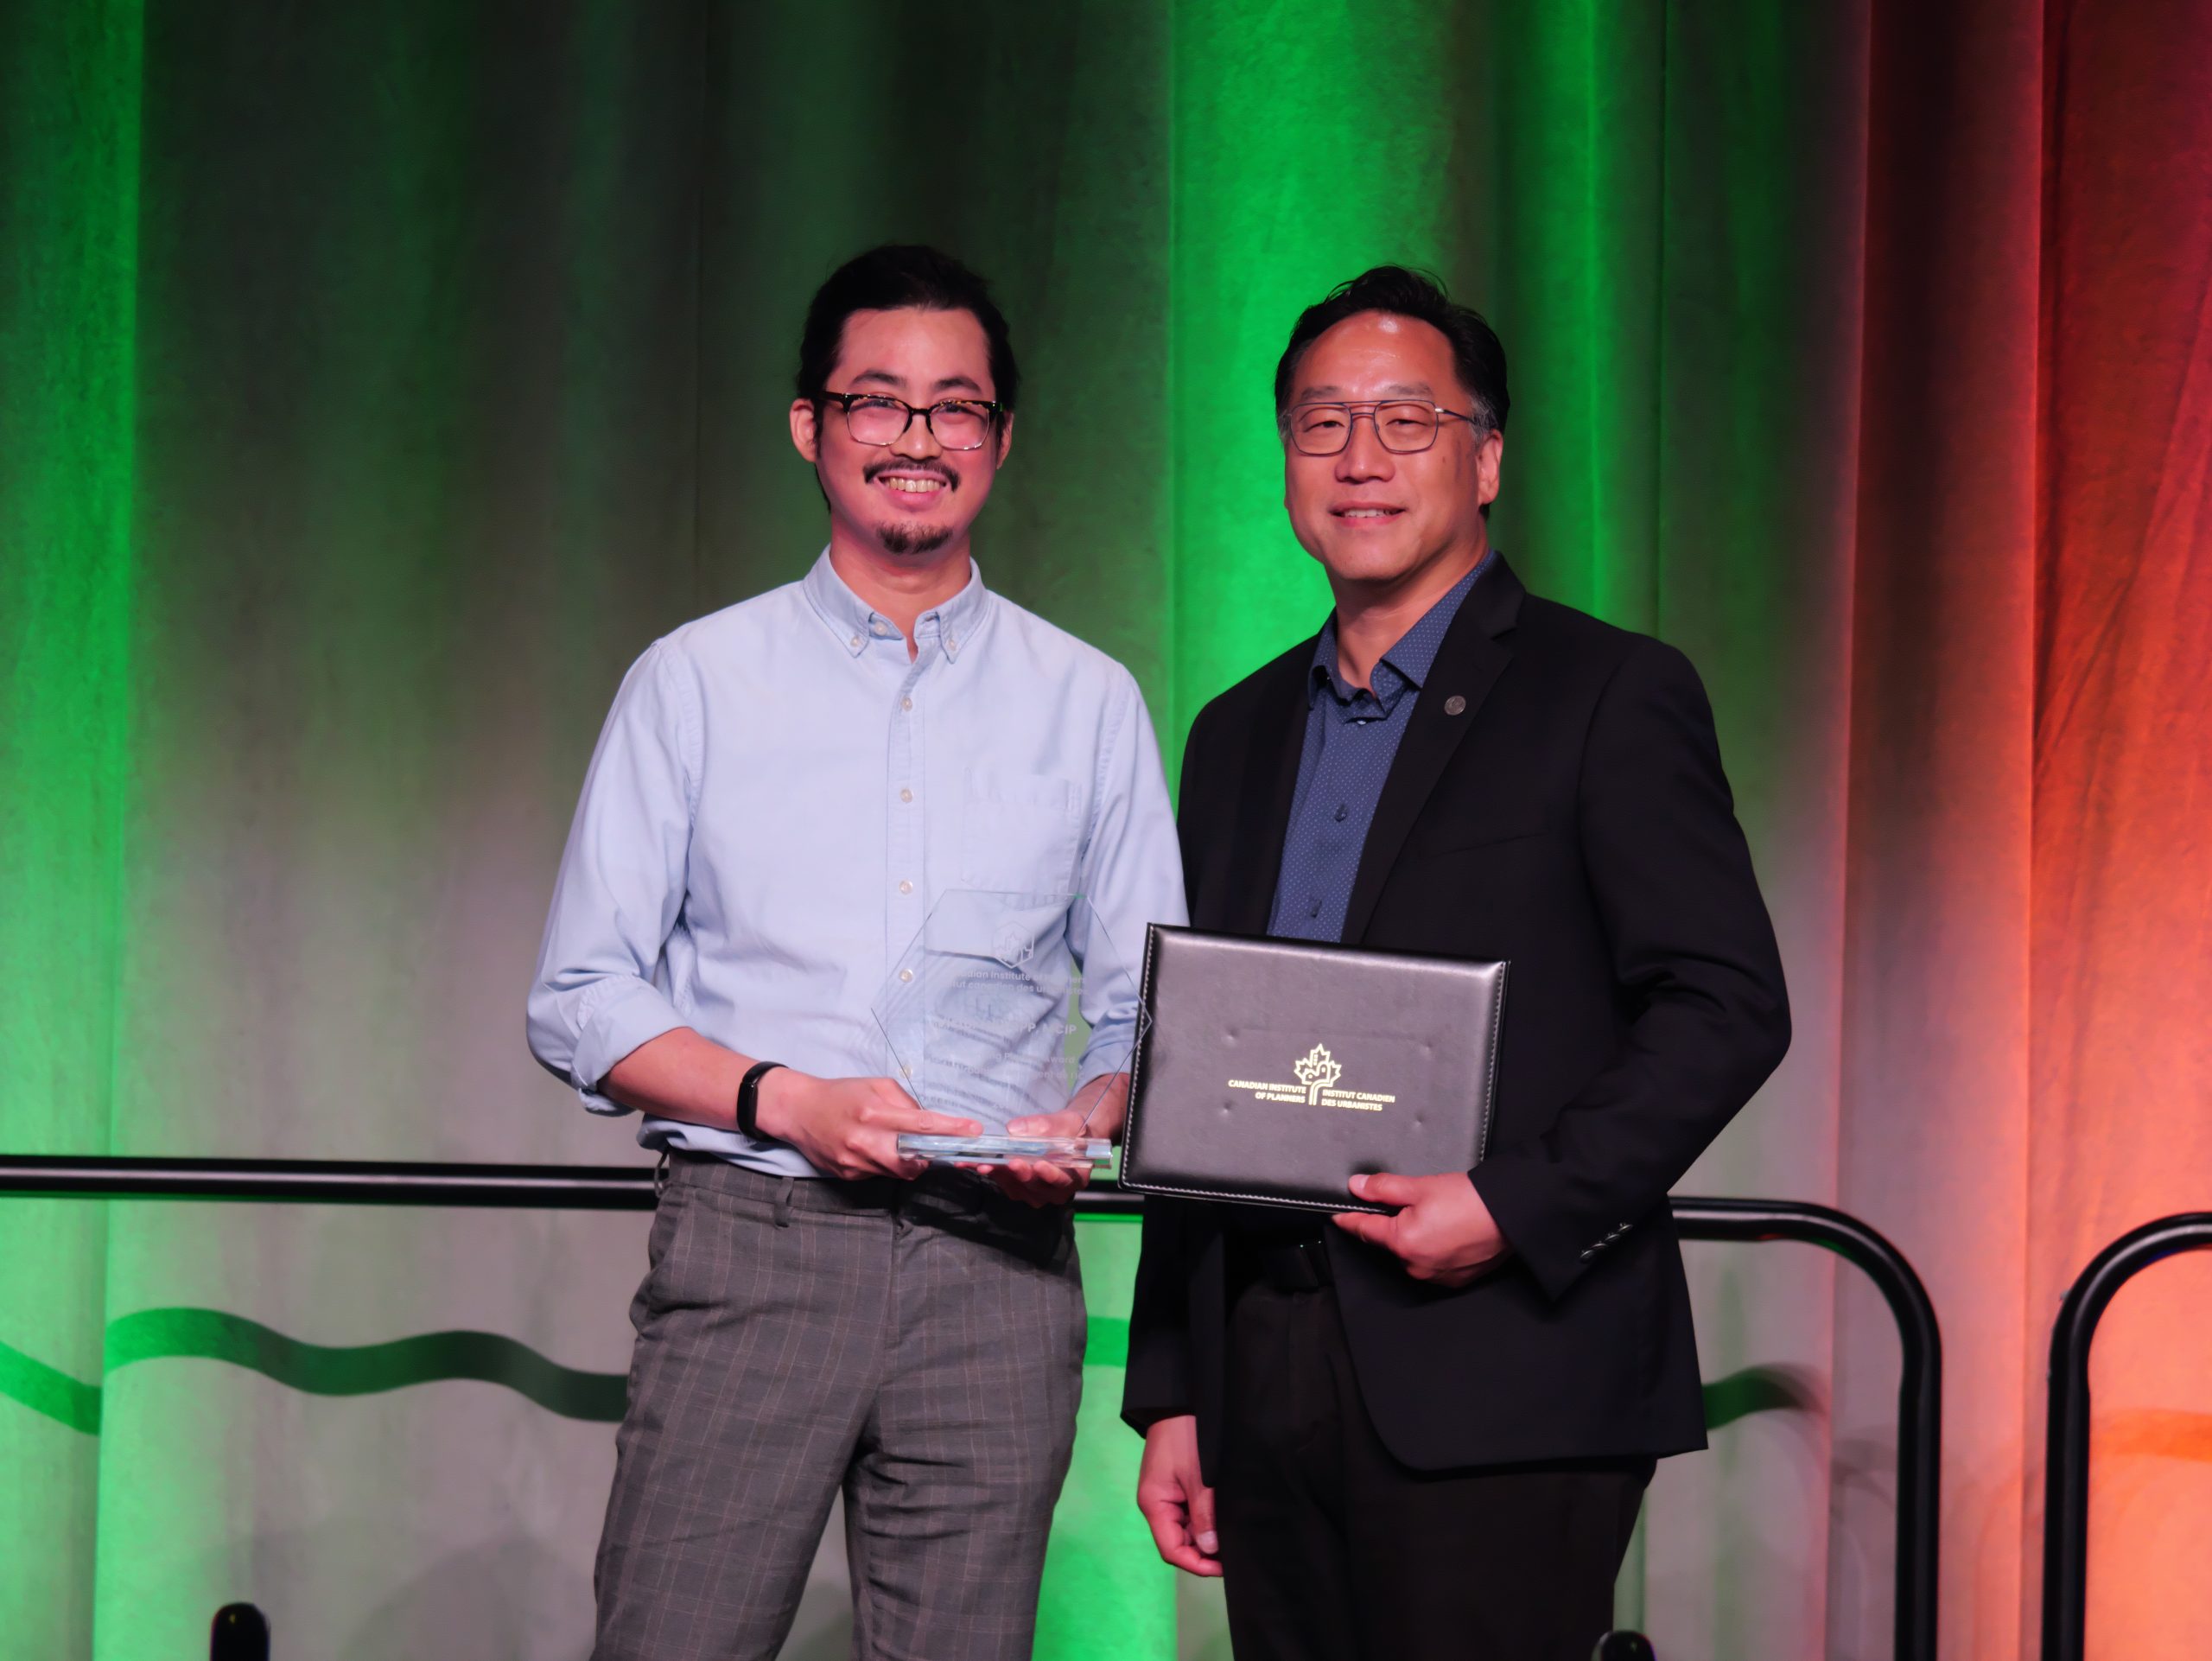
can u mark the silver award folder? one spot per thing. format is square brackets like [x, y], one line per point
[1271, 1071]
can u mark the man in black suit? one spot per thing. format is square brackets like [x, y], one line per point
[1427, 1434]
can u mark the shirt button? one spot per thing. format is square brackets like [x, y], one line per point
[905, 795]
[906, 703]
[906, 887]
[905, 974]
[1342, 809]
[856, 640]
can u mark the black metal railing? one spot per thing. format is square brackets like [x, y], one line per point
[1920, 1383]
[2066, 1452]
[239, 1632]
[630, 1187]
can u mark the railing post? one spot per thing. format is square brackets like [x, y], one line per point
[1920, 1383]
[2066, 1428]
[239, 1633]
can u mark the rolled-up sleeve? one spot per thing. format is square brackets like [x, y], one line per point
[1132, 876]
[620, 887]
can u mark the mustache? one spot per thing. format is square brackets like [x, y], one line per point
[876, 470]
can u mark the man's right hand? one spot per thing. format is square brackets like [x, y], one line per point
[849, 1127]
[1175, 1499]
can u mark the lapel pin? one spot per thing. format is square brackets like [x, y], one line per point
[1455, 705]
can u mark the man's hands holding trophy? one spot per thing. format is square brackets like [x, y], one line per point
[986, 1018]
[850, 1128]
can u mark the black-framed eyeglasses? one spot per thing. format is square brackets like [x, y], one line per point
[1402, 426]
[956, 423]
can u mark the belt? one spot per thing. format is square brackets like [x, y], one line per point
[1288, 1265]
[942, 1193]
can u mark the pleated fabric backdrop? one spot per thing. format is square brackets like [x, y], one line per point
[375, 382]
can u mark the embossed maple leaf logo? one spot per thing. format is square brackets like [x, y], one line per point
[1012, 946]
[1317, 1071]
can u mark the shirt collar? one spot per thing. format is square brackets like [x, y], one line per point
[950, 626]
[1406, 662]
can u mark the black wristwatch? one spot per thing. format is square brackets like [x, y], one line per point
[748, 1100]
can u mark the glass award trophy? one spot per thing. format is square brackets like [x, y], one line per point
[983, 1016]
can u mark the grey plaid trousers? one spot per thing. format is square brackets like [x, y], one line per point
[918, 1346]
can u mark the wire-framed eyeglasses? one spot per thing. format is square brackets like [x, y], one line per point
[956, 423]
[1402, 426]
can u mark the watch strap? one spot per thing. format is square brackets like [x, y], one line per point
[748, 1099]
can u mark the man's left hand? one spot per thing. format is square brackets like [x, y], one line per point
[1099, 1109]
[1041, 1181]
[1442, 1232]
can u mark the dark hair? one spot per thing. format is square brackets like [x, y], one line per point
[1477, 353]
[883, 279]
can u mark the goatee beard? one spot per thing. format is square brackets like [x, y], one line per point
[913, 538]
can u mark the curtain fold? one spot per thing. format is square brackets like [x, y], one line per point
[2119, 1062]
[1936, 1114]
[69, 171]
[376, 383]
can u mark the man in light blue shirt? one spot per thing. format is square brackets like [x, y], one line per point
[781, 793]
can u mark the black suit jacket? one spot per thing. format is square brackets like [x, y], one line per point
[1573, 818]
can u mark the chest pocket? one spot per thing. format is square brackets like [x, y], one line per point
[1438, 835]
[1018, 832]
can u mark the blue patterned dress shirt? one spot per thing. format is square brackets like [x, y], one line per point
[1351, 737]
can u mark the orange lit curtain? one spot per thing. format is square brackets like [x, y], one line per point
[2119, 990]
[2027, 924]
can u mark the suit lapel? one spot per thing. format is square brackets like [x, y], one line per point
[1270, 782]
[1474, 652]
